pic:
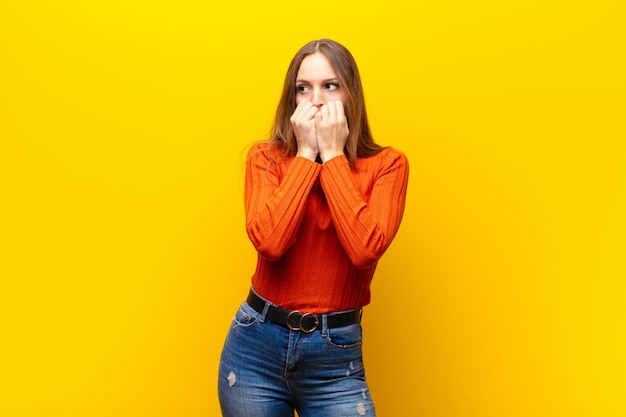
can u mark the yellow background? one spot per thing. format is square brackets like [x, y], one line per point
[123, 131]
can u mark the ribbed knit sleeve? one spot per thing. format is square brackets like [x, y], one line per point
[274, 204]
[366, 228]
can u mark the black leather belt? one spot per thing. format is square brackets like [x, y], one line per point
[305, 322]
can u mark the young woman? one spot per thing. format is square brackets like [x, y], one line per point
[323, 202]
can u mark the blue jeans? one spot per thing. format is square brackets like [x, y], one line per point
[267, 370]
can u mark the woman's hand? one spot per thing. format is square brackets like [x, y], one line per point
[303, 123]
[331, 125]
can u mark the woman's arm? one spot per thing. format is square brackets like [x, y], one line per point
[366, 229]
[274, 205]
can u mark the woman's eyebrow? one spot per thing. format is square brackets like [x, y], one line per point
[329, 80]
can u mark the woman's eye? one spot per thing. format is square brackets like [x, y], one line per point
[332, 86]
[302, 88]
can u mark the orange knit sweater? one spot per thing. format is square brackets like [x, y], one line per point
[320, 229]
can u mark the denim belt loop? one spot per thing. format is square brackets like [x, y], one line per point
[265, 310]
[324, 325]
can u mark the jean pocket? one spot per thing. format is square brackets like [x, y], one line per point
[345, 337]
[246, 316]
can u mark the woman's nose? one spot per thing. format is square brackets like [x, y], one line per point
[317, 98]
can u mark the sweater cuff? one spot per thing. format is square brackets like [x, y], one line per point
[336, 163]
[335, 175]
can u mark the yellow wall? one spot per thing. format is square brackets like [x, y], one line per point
[123, 129]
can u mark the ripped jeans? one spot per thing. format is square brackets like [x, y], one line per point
[267, 370]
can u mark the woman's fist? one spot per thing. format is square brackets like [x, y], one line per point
[303, 123]
[332, 130]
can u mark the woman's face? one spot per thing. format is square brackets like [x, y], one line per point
[317, 82]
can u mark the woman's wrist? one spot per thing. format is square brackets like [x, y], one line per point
[328, 155]
[309, 154]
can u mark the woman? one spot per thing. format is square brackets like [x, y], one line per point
[323, 202]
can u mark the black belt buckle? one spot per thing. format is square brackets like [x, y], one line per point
[300, 326]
